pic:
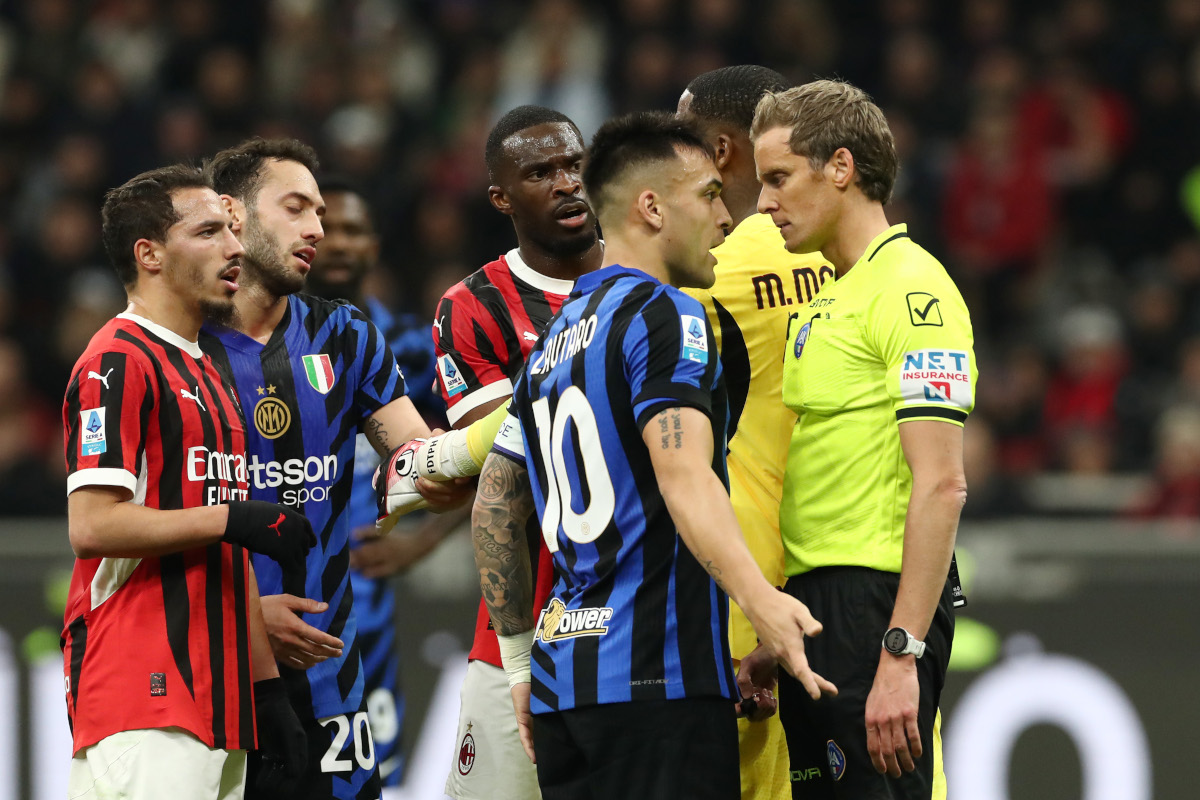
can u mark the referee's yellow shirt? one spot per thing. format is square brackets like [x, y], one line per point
[759, 284]
[888, 342]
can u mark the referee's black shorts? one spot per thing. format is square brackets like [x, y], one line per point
[661, 749]
[827, 739]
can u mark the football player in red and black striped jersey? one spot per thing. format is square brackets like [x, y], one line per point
[164, 633]
[486, 326]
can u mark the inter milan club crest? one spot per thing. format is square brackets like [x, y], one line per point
[319, 370]
[466, 752]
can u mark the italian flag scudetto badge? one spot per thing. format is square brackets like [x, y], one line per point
[319, 370]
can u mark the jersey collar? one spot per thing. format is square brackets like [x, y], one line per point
[590, 281]
[882, 240]
[537, 280]
[167, 335]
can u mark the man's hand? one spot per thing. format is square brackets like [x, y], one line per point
[282, 744]
[446, 495]
[781, 622]
[893, 737]
[757, 676]
[520, 701]
[294, 642]
[278, 532]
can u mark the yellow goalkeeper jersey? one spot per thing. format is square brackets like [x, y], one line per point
[759, 284]
[888, 342]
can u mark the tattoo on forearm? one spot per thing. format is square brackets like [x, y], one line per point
[503, 505]
[378, 435]
[670, 428]
[715, 573]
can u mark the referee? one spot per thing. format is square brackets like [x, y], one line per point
[880, 372]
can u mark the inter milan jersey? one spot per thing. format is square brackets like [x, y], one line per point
[306, 393]
[485, 328]
[633, 616]
[374, 601]
[157, 642]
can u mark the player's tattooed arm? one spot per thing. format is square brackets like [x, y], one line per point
[503, 505]
[378, 435]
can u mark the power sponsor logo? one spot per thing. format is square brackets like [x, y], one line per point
[695, 339]
[220, 471]
[92, 441]
[558, 622]
[936, 376]
[452, 379]
[924, 310]
[837, 760]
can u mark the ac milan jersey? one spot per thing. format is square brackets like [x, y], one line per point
[633, 616]
[157, 642]
[485, 327]
[307, 392]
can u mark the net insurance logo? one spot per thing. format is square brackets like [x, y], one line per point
[936, 376]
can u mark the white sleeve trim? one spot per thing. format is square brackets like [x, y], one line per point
[475, 399]
[102, 476]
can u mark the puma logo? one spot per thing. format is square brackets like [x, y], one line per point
[185, 393]
[278, 522]
[437, 323]
[102, 378]
[530, 336]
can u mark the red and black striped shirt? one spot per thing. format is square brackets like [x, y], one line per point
[485, 328]
[157, 642]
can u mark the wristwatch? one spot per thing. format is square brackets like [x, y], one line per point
[900, 642]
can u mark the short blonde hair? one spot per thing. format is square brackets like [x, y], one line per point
[827, 115]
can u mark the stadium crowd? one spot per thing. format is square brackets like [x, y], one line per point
[1049, 152]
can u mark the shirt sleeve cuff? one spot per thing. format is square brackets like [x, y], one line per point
[102, 476]
[484, 394]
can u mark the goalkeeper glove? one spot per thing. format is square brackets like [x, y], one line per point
[278, 532]
[282, 744]
[396, 485]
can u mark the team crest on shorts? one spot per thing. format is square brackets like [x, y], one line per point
[837, 760]
[466, 752]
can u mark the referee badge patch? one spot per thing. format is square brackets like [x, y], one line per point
[837, 760]
[695, 339]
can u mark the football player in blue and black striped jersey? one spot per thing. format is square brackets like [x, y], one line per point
[310, 373]
[618, 431]
[349, 251]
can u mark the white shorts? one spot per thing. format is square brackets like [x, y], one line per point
[489, 762]
[156, 763]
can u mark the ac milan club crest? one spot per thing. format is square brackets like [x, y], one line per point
[466, 754]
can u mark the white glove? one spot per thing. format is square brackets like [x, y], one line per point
[395, 485]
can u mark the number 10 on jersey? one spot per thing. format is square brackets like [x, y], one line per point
[591, 476]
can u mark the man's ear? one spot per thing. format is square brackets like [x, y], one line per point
[723, 148]
[841, 169]
[649, 210]
[499, 200]
[237, 212]
[148, 256]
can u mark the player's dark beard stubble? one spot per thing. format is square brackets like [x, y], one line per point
[264, 262]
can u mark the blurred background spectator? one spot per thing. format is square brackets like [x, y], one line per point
[1044, 146]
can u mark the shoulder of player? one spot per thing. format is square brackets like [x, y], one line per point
[317, 312]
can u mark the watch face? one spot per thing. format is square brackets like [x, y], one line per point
[895, 640]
